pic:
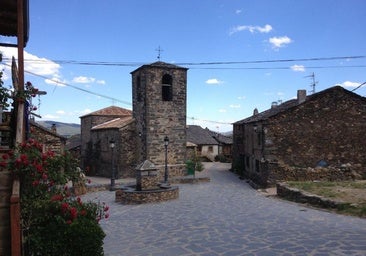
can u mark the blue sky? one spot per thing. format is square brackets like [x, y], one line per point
[257, 35]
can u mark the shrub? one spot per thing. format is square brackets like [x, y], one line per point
[54, 222]
[194, 164]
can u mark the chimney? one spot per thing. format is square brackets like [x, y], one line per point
[53, 128]
[255, 112]
[274, 104]
[301, 96]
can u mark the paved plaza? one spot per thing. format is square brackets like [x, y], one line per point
[227, 217]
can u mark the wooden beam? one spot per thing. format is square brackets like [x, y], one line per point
[20, 129]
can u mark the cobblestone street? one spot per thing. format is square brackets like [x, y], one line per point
[227, 217]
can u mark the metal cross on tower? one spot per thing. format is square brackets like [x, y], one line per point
[159, 50]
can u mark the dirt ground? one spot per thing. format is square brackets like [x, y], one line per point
[356, 194]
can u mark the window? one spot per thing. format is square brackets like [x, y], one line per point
[210, 149]
[167, 88]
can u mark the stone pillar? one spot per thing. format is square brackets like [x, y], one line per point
[147, 176]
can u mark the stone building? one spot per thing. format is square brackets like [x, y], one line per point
[49, 138]
[159, 107]
[326, 128]
[98, 129]
[209, 144]
[159, 111]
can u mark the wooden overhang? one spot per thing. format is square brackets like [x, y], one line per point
[9, 20]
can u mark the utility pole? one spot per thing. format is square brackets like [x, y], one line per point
[313, 84]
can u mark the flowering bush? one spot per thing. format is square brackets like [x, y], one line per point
[54, 221]
[26, 95]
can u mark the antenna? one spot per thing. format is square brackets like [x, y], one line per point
[313, 84]
[159, 50]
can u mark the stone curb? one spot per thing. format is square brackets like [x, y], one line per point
[176, 180]
[299, 196]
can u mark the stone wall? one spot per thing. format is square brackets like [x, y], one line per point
[87, 122]
[332, 173]
[50, 140]
[156, 118]
[5, 193]
[331, 127]
[296, 195]
[131, 196]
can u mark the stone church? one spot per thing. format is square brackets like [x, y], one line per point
[159, 95]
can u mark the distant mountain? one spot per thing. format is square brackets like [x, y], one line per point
[229, 133]
[64, 129]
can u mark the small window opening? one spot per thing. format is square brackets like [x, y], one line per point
[167, 88]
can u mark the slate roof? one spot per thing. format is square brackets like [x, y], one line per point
[160, 64]
[114, 124]
[110, 111]
[293, 103]
[199, 136]
[73, 142]
[221, 138]
[9, 17]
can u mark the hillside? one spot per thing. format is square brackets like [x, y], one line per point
[64, 129]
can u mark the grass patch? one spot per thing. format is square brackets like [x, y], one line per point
[352, 193]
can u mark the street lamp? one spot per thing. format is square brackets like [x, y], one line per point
[166, 142]
[112, 144]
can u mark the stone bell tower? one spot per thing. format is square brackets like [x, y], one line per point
[159, 95]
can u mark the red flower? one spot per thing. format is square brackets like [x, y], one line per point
[39, 167]
[83, 212]
[78, 199]
[68, 222]
[5, 156]
[44, 176]
[57, 198]
[64, 207]
[73, 213]
[35, 183]
[106, 215]
[106, 208]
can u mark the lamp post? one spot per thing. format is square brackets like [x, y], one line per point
[166, 142]
[113, 177]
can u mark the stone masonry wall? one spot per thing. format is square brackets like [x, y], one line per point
[331, 128]
[49, 140]
[331, 173]
[156, 118]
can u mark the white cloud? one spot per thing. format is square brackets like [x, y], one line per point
[214, 81]
[298, 68]
[32, 63]
[83, 80]
[50, 117]
[222, 110]
[252, 29]
[278, 42]
[100, 82]
[85, 111]
[238, 11]
[349, 84]
[60, 112]
[241, 98]
[234, 106]
[56, 80]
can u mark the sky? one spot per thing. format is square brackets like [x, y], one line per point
[240, 54]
